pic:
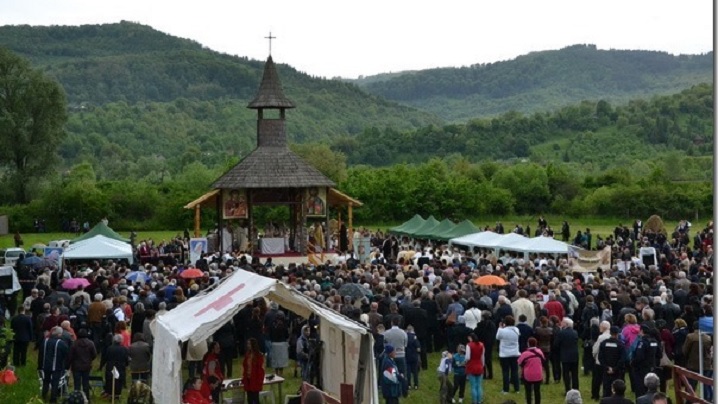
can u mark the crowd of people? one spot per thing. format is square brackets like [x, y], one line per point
[627, 325]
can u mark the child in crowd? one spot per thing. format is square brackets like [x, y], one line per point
[445, 387]
[458, 365]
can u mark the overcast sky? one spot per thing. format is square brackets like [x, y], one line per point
[350, 38]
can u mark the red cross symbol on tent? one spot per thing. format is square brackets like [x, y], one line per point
[221, 302]
[352, 349]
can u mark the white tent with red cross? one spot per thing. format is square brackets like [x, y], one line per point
[347, 356]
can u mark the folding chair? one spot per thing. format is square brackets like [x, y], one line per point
[62, 385]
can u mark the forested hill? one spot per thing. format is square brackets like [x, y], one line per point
[133, 63]
[675, 130]
[543, 81]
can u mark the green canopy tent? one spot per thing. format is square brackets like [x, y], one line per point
[412, 223]
[102, 229]
[424, 228]
[462, 229]
[443, 226]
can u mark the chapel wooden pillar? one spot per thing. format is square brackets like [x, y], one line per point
[197, 219]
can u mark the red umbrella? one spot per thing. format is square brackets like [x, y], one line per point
[191, 273]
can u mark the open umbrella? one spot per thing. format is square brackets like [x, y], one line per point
[354, 290]
[54, 296]
[138, 276]
[45, 263]
[192, 273]
[31, 260]
[74, 283]
[489, 280]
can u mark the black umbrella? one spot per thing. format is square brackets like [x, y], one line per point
[59, 294]
[354, 290]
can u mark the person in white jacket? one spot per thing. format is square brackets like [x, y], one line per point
[524, 306]
[508, 338]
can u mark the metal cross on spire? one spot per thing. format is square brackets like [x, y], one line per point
[270, 37]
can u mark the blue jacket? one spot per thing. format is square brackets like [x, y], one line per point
[411, 353]
[390, 379]
[459, 364]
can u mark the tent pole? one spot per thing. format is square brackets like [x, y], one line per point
[700, 362]
[344, 357]
[350, 217]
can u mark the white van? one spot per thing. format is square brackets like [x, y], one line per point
[9, 256]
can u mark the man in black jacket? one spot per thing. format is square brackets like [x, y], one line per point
[432, 325]
[486, 333]
[116, 357]
[53, 362]
[646, 357]
[82, 353]
[418, 318]
[611, 356]
[566, 343]
[22, 327]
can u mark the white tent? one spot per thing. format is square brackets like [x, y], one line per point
[347, 355]
[9, 283]
[481, 239]
[541, 245]
[488, 239]
[98, 247]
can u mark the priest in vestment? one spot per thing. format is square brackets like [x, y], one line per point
[319, 237]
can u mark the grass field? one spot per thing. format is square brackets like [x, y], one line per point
[28, 386]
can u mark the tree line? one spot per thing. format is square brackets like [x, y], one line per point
[455, 189]
[592, 135]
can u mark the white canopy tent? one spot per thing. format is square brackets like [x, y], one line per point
[513, 242]
[489, 239]
[541, 244]
[98, 247]
[481, 239]
[346, 357]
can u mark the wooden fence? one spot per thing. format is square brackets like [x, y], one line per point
[683, 389]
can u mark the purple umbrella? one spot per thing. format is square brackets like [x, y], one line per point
[74, 283]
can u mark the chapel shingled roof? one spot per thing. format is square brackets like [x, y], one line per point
[270, 94]
[272, 167]
[272, 164]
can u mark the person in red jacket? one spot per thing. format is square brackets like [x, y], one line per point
[212, 367]
[475, 367]
[253, 375]
[554, 307]
[193, 393]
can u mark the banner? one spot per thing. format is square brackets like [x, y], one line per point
[362, 249]
[580, 260]
[197, 246]
[53, 254]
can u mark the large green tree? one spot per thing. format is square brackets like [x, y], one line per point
[33, 112]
